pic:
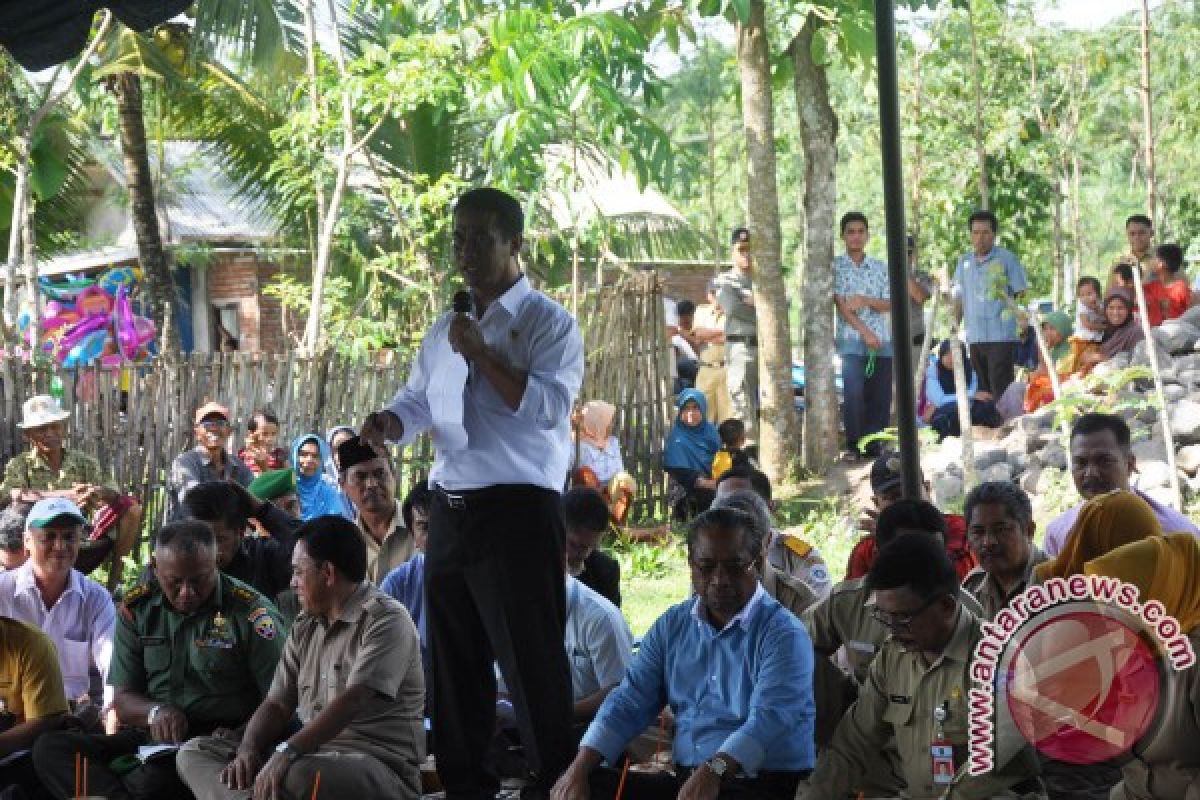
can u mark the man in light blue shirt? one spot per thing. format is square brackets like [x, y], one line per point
[864, 336]
[736, 669]
[988, 282]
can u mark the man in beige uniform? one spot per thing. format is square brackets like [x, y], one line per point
[351, 671]
[369, 480]
[1000, 530]
[913, 706]
[711, 377]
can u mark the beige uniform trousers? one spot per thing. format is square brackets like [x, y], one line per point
[344, 774]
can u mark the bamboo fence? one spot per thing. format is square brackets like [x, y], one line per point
[136, 420]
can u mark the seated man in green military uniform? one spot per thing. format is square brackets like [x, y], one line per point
[49, 469]
[194, 654]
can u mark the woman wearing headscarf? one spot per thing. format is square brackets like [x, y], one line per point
[1122, 331]
[941, 395]
[1104, 523]
[1056, 330]
[688, 456]
[599, 464]
[336, 435]
[318, 497]
[1165, 763]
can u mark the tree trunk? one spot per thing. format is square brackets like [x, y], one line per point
[1059, 292]
[967, 433]
[1148, 113]
[160, 288]
[818, 134]
[20, 192]
[977, 91]
[777, 416]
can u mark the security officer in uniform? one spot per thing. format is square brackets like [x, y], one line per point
[735, 293]
[844, 619]
[913, 706]
[194, 654]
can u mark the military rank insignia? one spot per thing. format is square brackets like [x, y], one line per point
[263, 624]
[218, 635]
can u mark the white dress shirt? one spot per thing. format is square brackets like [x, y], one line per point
[598, 641]
[80, 624]
[531, 445]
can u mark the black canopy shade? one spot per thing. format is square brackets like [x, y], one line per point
[43, 33]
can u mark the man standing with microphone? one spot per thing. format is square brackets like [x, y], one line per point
[493, 563]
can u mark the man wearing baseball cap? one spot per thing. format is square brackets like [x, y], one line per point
[209, 460]
[735, 293]
[50, 469]
[74, 611]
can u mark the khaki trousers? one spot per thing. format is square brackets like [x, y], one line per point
[344, 774]
[714, 382]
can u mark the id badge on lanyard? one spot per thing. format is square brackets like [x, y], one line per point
[941, 750]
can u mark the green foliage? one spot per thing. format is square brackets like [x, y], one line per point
[648, 560]
[1108, 393]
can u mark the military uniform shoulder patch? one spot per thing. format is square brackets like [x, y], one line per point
[263, 622]
[134, 596]
[797, 545]
[244, 595]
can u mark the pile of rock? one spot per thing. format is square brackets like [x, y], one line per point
[1030, 449]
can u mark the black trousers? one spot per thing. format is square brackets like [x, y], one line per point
[496, 592]
[54, 758]
[995, 363]
[664, 786]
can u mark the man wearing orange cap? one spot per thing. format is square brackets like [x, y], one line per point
[209, 460]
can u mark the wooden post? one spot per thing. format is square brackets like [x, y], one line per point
[1164, 413]
[1148, 119]
[967, 436]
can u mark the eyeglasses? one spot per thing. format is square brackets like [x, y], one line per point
[362, 477]
[214, 424]
[900, 622]
[731, 569]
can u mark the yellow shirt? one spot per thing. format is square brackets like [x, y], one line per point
[31, 683]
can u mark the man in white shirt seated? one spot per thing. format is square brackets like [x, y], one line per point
[599, 647]
[74, 611]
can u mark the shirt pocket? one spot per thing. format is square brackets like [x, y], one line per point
[157, 658]
[75, 659]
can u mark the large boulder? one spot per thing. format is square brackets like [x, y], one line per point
[1053, 456]
[947, 489]
[1174, 392]
[1176, 335]
[1185, 421]
[1191, 316]
[1152, 474]
[1002, 472]
[988, 454]
[1029, 480]
[1152, 449]
[1142, 356]
[1188, 458]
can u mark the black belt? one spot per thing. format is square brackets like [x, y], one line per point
[462, 499]
[749, 341]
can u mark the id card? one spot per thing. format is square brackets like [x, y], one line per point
[943, 763]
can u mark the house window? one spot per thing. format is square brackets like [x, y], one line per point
[228, 328]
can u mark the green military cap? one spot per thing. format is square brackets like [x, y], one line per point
[273, 484]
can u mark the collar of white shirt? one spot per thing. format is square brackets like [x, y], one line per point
[514, 297]
[26, 582]
[742, 618]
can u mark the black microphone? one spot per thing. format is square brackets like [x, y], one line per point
[462, 301]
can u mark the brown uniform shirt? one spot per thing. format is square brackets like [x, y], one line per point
[895, 712]
[31, 684]
[990, 596]
[373, 643]
[843, 619]
[395, 549]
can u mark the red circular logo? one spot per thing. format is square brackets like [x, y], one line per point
[1083, 687]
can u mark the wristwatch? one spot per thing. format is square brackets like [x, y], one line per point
[287, 751]
[719, 767]
[152, 715]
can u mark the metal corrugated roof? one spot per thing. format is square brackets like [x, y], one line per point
[198, 202]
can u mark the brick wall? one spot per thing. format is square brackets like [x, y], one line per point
[238, 279]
